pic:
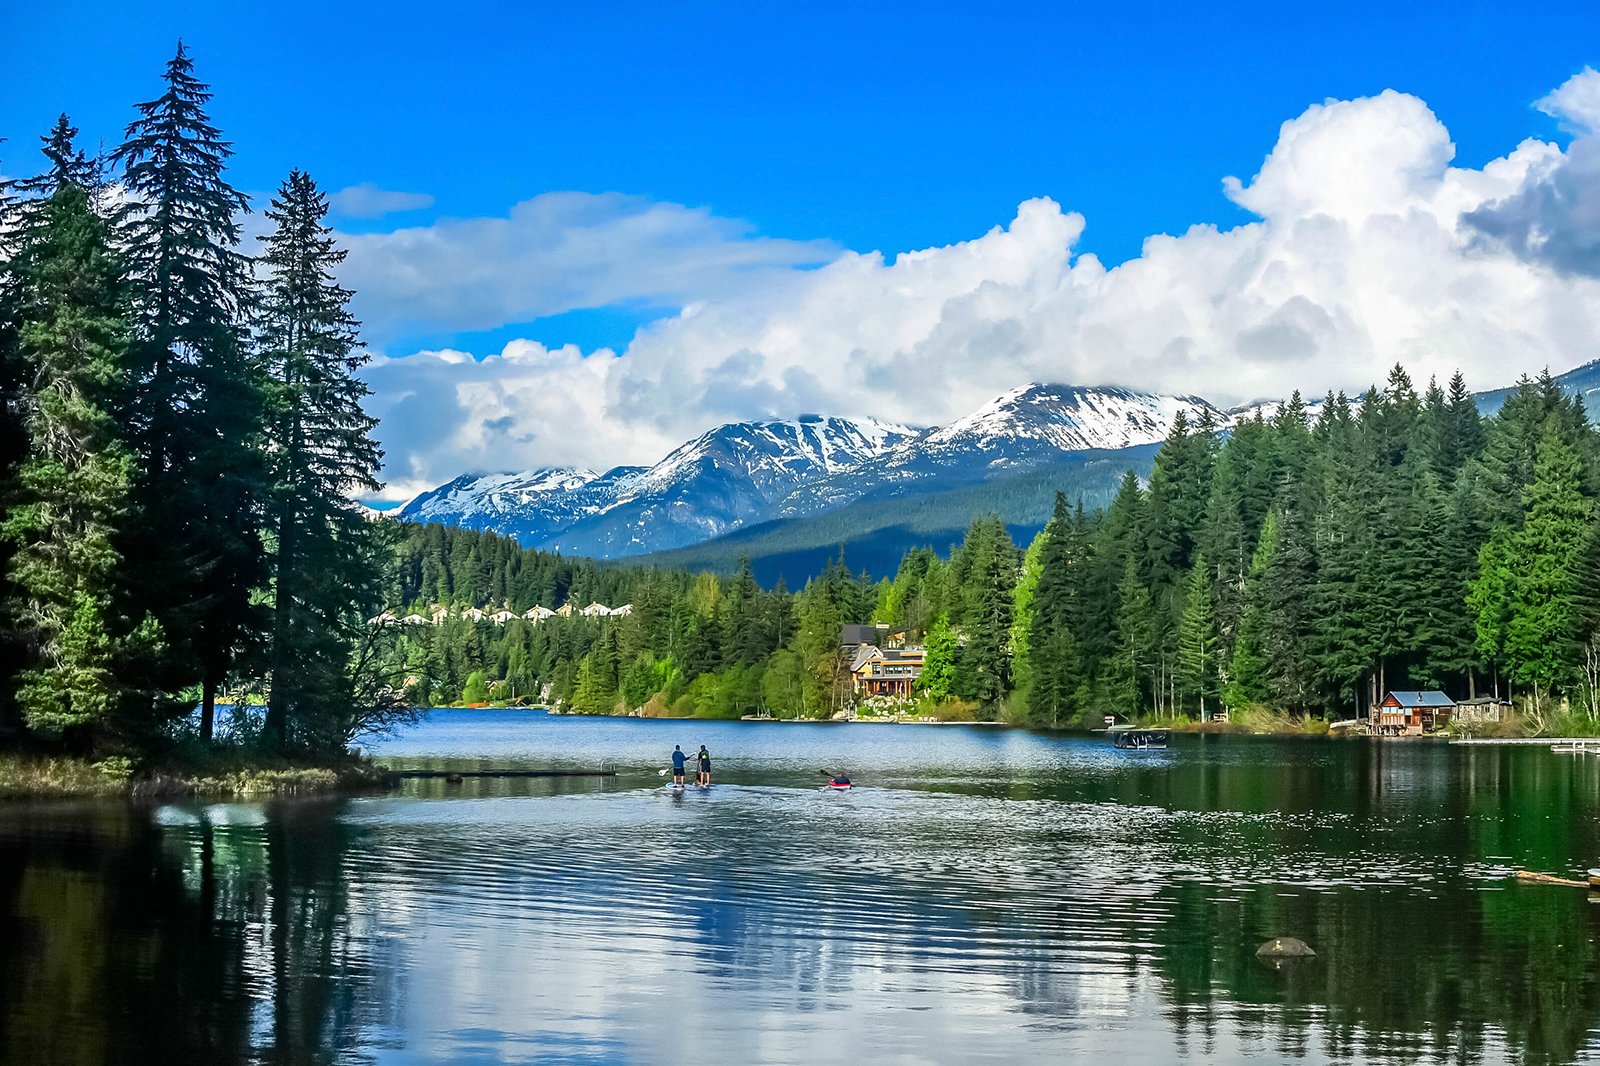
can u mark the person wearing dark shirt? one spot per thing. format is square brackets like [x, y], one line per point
[703, 777]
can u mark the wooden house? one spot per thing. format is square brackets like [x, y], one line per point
[596, 610]
[1410, 713]
[500, 618]
[537, 613]
[878, 671]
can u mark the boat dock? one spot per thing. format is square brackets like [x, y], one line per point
[451, 774]
[1564, 745]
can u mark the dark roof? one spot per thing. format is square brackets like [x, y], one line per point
[856, 634]
[1430, 698]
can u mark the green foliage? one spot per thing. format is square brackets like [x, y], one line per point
[938, 678]
[325, 562]
[74, 485]
[1197, 656]
[157, 540]
[476, 690]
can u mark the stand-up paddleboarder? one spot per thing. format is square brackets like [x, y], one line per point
[678, 760]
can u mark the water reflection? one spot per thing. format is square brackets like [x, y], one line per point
[1039, 901]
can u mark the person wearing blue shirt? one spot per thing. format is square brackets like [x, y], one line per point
[678, 760]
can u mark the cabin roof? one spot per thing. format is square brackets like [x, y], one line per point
[1429, 698]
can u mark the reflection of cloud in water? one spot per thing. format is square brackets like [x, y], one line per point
[1047, 899]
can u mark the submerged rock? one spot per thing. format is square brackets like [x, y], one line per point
[1285, 947]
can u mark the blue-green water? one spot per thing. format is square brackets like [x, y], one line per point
[984, 895]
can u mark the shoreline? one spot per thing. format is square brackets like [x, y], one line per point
[35, 777]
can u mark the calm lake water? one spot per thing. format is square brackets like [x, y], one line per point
[986, 895]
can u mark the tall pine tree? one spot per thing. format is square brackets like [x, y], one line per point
[324, 565]
[75, 482]
[198, 418]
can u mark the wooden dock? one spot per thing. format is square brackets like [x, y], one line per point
[449, 774]
[1569, 745]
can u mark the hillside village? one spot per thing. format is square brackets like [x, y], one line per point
[439, 614]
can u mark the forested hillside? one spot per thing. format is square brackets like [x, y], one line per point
[1299, 564]
[877, 531]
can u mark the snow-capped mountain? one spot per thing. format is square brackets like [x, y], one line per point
[745, 473]
[530, 506]
[748, 472]
[1066, 418]
[723, 479]
[1025, 428]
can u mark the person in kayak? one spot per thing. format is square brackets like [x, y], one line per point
[678, 759]
[703, 776]
[839, 780]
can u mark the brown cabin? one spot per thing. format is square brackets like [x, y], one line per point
[1410, 713]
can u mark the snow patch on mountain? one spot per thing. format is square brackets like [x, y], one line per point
[747, 472]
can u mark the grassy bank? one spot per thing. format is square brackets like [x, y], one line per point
[1253, 720]
[25, 776]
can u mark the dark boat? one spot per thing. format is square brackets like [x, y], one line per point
[1140, 739]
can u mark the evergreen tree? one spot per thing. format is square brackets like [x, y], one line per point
[1288, 579]
[1022, 614]
[939, 661]
[198, 415]
[1056, 665]
[13, 447]
[74, 483]
[1247, 672]
[1539, 640]
[987, 572]
[1197, 644]
[1130, 682]
[323, 564]
[68, 166]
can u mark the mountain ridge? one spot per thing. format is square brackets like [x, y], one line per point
[747, 473]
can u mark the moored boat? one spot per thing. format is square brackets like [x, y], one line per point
[1134, 739]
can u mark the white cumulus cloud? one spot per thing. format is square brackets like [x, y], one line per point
[369, 201]
[555, 253]
[1369, 248]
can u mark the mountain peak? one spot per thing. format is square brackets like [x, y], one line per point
[741, 473]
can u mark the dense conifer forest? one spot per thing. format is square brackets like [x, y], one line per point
[1303, 563]
[183, 432]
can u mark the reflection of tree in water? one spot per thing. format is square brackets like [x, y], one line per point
[1391, 977]
[128, 940]
[257, 933]
[109, 957]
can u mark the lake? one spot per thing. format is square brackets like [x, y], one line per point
[985, 895]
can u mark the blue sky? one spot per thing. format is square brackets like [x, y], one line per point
[796, 131]
[881, 126]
